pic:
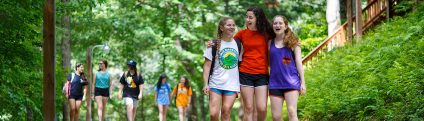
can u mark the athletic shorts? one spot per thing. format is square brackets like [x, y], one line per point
[253, 80]
[223, 92]
[131, 101]
[101, 92]
[76, 97]
[280, 92]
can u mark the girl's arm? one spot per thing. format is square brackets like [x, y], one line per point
[121, 87]
[93, 85]
[110, 85]
[299, 67]
[206, 69]
[141, 91]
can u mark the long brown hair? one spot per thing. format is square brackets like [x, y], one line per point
[219, 34]
[186, 82]
[262, 24]
[290, 39]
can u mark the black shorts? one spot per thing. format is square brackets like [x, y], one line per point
[253, 80]
[76, 97]
[280, 92]
[101, 92]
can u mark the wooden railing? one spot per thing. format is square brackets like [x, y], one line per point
[370, 15]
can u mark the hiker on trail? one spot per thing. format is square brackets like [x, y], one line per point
[182, 92]
[102, 87]
[75, 92]
[220, 71]
[254, 67]
[286, 70]
[132, 87]
[162, 96]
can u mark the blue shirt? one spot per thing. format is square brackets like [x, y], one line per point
[163, 94]
[102, 79]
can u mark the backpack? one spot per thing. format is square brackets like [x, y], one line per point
[66, 90]
[214, 49]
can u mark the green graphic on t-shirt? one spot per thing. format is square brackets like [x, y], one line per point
[228, 58]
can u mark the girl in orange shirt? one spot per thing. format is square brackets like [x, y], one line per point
[183, 93]
[254, 73]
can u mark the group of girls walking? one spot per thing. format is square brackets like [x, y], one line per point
[130, 90]
[181, 94]
[263, 59]
[242, 62]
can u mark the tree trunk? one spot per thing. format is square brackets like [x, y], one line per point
[49, 73]
[333, 19]
[349, 20]
[66, 53]
[193, 108]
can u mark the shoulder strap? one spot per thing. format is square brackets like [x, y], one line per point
[72, 77]
[238, 45]
[214, 48]
[176, 93]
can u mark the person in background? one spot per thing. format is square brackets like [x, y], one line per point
[162, 96]
[101, 89]
[131, 89]
[182, 92]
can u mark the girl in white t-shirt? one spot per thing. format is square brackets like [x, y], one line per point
[222, 84]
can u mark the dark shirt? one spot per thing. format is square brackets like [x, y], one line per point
[131, 84]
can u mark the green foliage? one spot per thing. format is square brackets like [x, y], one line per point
[20, 59]
[380, 78]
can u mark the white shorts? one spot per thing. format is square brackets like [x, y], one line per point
[131, 101]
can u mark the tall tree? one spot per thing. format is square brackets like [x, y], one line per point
[66, 51]
[333, 18]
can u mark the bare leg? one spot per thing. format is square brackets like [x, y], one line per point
[227, 105]
[181, 113]
[165, 110]
[130, 114]
[247, 95]
[276, 105]
[214, 105]
[160, 112]
[72, 111]
[105, 100]
[291, 100]
[134, 110]
[77, 106]
[99, 102]
[261, 100]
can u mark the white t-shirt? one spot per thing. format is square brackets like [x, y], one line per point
[225, 73]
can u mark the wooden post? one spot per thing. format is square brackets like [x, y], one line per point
[358, 18]
[49, 62]
[349, 20]
[388, 8]
[89, 79]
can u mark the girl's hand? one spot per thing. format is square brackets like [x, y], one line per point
[119, 96]
[303, 89]
[140, 96]
[209, 44]
[206, 90]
